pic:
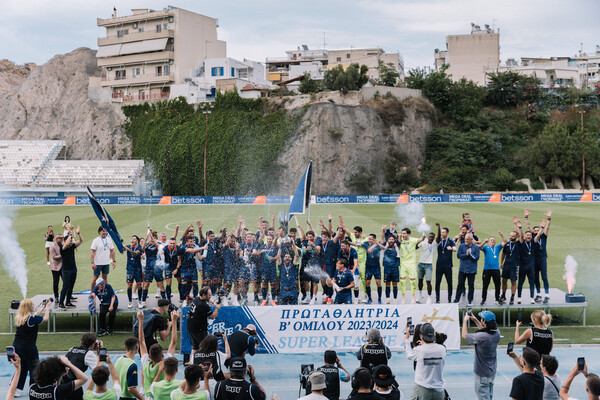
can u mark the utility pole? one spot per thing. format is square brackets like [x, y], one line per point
[581, 112]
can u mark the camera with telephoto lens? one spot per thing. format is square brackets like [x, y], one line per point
[305, 371]
[172, 307]
[51, 299]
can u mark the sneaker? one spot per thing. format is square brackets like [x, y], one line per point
[70, 305]
[101, 332]
[378, 301]
[329, 300]
[306, 299]
[469, 304]
[538, 299]
[532, 301]
[157, 295]
[129, 305]
[61, 306]
[518, 300]
[313, 301]
[437, 301]
[273, 303]
[413, 301]
[428, 301]
[403, 301]
[110, 332]
[141, 304]
[482, 303]
[56, 299]
[264, 303]
[135, 296]
[363, 301]
[370, 301]
[546, 299]
[512, 301]
[503, 298]
[498, 303]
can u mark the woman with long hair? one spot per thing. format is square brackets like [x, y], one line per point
[538, 337]
[27, 322]
[208, 356]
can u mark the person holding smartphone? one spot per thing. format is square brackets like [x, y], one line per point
[16, 361]
[538, 337]
[592, 381]
[486, 341]
[48, 374]
[100, 376]
[27, 322]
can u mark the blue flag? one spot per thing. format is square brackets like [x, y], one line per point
[301, 198]
[106, 221]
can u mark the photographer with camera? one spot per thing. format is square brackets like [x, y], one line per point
[83, 357]
[198, 316]
[334, 373]
[154, 321]
[237, 387]
[27, 322]
[373, 353]
[362, 386]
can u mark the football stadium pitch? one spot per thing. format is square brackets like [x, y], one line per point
[574, 231]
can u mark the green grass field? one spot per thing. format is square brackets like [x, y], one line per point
[573, 231]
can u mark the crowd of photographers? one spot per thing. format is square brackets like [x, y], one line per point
[210, 373]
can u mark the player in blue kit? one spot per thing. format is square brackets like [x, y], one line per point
[248, 272]
[288, 276]
[329, 250]
[541, 256]
[172, 256]
[391, 265]
[372, 266]
[133, 269]
[350, 255]
[268, 274]
[151, 272]
[342, 282]
[491, 267]
[509, 264]
[210, 270]
[189, 273]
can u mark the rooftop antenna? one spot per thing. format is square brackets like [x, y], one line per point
[114, 12]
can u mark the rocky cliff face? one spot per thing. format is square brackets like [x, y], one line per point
[12, 75]
[51, 102]
[348, 141]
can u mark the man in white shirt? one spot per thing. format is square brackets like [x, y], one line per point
[425, 266]
[160, 262]
[592, 384]
[317, 385]
[431, 359]
[102, 255]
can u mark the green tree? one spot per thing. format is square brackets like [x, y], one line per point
[503, 179]
[352, 78]
[388, 74]
[437, 87]
[466, 100]
[308, 85]
[416, 78]
[508, 88]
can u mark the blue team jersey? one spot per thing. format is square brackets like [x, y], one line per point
[105, 295]
[228, 256]
[492, 256]
[539, 248]
[349, 256]
[444, 256]
[390, 258]
[134, 262]
[513, 253]
[188, 260]
[151, 252]
[271, 252]
[527, 256]
[329, 252]
[343, 279]
[172, 256]
[288, 275]
[211, 252]
[373, 256]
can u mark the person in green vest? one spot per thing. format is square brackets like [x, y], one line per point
[408, 263]
[100, 376]
[152, 367]
[190, 388]
[161, 390]
[128, 370]
[356, 242]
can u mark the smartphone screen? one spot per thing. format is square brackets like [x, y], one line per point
[469, 311]
[409, 321]
[102, 353]
[520, 317]
[580, 363]
[510, 348]
[10, 353]
[411, 329]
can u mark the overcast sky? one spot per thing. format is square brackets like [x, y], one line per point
[36, 30]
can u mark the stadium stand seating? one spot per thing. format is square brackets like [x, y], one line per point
[30, 164]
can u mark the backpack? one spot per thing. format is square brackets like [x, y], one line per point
[148, 318]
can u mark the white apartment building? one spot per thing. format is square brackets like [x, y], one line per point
[589, 68]
[145, 53]
[553, 72]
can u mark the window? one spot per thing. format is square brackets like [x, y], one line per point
[166, 26]
[142, 95]
[216, 71]
[122, 32]
[135, 72]
[141, 30]
[120, 74]
[338, 59]
[347, 55]
[232, 72]
[158, 28]
[167, 69]
[159, 70]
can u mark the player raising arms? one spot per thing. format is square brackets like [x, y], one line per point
[134, 269]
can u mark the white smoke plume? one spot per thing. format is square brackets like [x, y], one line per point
[412, 215]
[12, 255]
[570, 272]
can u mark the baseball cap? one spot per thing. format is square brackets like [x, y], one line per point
[238, 364]
[251, 328]
[428, 333]
[99, 281]
[382, 375]
[317, 380]
[487, 316]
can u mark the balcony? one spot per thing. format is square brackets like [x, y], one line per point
[132, 59]
[136, 36]
[135, 98]
[138, 80]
